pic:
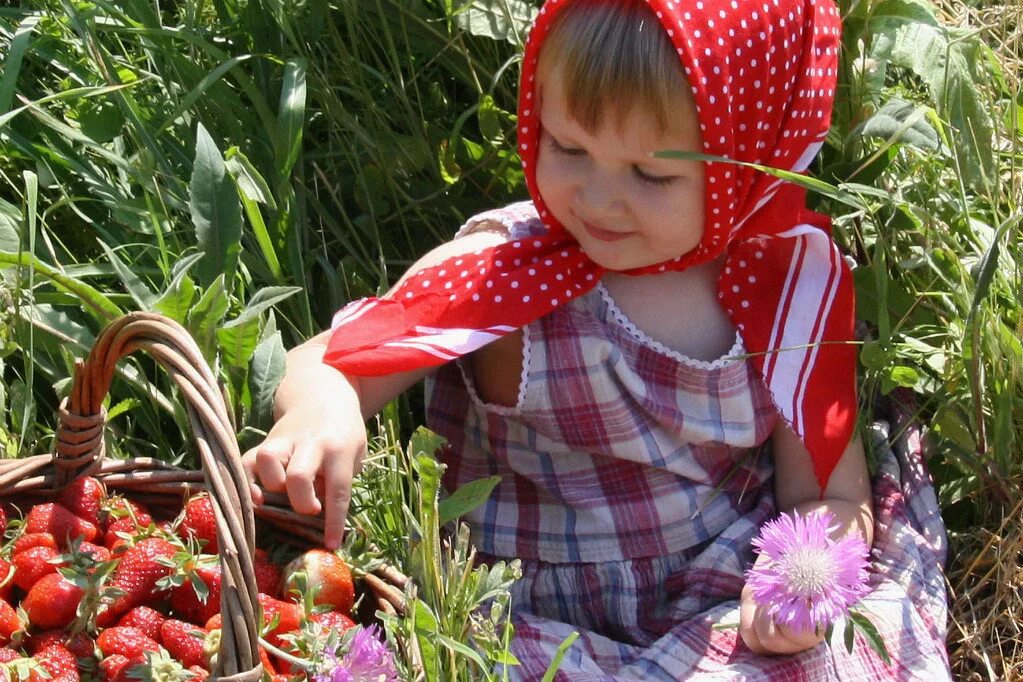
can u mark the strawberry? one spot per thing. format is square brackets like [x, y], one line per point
[112, 666]
[328, 575]
[6, 578]
[81, 645]
[289, 618]
[118, 507]
[268, 574]
[144, 618]
[58, 662]
[214, 623]
[52, 602]
[30, 540]
[7, 654]
[3, 521]
[199, 672]
[84, 498]
[59, 522]
[186, 599]
[137, 574]
[264, 658]
[33, 564]
[99, 553]
[184, 641]
[127, 641]
[10, 622]
[117, 530]
[333, 620]
[200, 522]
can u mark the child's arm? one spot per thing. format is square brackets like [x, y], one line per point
[848, 498]
[318, 440]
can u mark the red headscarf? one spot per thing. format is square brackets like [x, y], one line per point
[763, 75]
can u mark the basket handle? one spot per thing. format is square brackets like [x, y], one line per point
[80, 450]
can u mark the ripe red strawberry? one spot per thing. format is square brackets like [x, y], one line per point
[118, 507]
[7, 654]
[3, 521]
[117, 531]
[80, 644]
[33, 564]
[137, 575]
[144, 618]
[199, 672]
[112, 666]
[214, 623]
[10, 622]
[59, 522]
[99, 553]
[329, 575]
[200, 522]
[290, 617]
[268, 574]
[127, 641]
[185, 600]
[264, 658]
[333, 620]
[30, 540]
[84, 497]
[184, 641]
[52, 602]
[6, 578]
[58, 662]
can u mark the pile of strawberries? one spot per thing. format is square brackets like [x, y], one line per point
[93, 589]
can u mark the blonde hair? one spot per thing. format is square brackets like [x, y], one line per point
[614, 56]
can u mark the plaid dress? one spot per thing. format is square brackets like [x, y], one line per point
[632, 485]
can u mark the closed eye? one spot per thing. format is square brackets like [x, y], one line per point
[653, 179]
[562, 149]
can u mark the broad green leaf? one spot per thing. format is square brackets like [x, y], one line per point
[139, 290]
[906, 35]
[206, 315]
[506, 20]
[291, 117]
[871, 634]
[424, 442]
[426, 626]
[265, 373]
[902, 121]
[10, 219]
[238, 343]
[216, 211]
[260, 301]
[250, 181]
[466, 498]
[176, 300]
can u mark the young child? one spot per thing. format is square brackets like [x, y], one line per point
[618, 348]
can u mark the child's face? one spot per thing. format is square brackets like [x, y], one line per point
[625, 208]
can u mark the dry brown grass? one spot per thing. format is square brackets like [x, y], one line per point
[985, 578]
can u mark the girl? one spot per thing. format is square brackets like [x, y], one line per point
[618, 348]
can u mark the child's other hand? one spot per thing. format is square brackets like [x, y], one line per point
[311, 453]
[766, 637]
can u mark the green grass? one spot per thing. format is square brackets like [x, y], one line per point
[314, 152]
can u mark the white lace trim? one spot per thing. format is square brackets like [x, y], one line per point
[505, 410]
[736, 352]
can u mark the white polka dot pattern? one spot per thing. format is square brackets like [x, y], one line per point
[763, 75]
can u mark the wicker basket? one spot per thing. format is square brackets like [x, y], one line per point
[80, 452]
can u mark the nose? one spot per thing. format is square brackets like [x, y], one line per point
[598, 194]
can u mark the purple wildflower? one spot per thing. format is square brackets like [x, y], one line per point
[809, 579]
[367, 659]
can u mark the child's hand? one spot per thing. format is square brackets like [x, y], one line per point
[312, 453]
[766, 637]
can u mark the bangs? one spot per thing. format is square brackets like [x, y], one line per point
[613, 57]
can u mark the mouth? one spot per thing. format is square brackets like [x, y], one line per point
[602, 234]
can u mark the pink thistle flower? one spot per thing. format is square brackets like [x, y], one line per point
[809, 580]
[364, 659]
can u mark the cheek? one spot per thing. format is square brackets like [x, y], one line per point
[551, 179]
